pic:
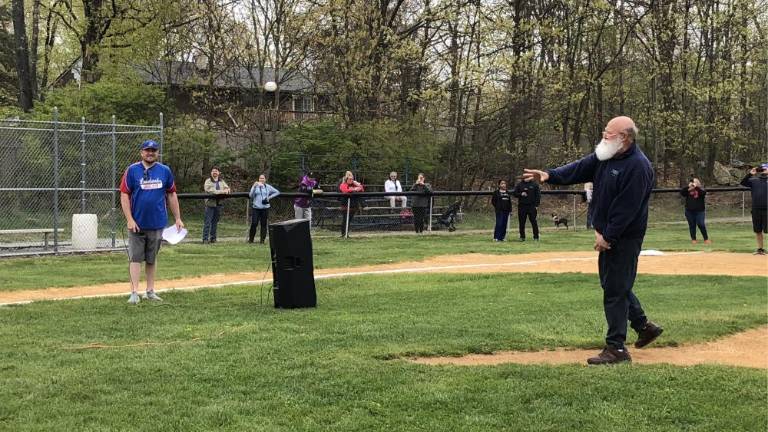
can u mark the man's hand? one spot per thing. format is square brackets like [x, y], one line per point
[600, 244]
[132, 227]
[538, 175]
[753, 171]
[179, 225]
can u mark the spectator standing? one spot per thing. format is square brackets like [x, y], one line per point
[757, 181]
[302, 206]
[349, 204]
[528, 194]
[260, 194]
[502, 204]
[214, 185]
[588, 187]
[420, 202]
[695, 212]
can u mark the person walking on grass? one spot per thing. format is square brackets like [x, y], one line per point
[623, 179]
[694, 195]
[145, 189]
[757, 181]
[420, 203]
[260, 194]
[213, 185]
[502, 204]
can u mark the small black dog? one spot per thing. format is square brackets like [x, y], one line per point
[559, 221]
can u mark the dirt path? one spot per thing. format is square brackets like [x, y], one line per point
[673, 263]
[747, 349]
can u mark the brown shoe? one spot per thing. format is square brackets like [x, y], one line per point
[648, 334]
[610, 355]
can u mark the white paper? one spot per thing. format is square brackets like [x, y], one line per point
[172, 236]
[651, 252]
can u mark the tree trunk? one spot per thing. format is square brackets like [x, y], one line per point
[22, 56]
[33, 47]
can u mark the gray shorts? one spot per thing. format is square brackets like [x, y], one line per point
[144, 245]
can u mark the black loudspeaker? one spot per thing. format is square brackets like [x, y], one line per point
[292, 269]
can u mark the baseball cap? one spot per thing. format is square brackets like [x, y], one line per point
[764, 166]
[149, 144]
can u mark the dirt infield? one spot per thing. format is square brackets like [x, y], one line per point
[673, 263]
[747, 349]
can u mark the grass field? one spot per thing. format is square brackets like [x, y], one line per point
[222, 359]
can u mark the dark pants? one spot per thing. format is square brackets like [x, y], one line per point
[696, 218]
[258, 217]
[589, 217]
[344, 221]
[500, 230]
[528, 212]
[211, 222]
[419, 217]
[618, 269]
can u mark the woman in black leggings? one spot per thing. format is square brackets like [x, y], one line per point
[420, 203]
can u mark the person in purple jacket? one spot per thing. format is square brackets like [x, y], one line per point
[302, 206]
[623, 180]
[144, 190]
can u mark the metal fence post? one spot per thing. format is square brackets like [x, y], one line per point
[82, 164]
[55, 180]
[160, 156]
[429, 226]
[574, 213]
[114, 180]
[743, 198]
[346, 222]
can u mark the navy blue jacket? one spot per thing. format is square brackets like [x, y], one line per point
[622, 188]
[759, 186]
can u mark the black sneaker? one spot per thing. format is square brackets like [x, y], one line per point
[759, 251]
[648, 334]
[610, 355]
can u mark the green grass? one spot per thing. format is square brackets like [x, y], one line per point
[190, 259]
[231, 363]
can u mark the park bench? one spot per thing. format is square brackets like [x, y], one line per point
[43, 231]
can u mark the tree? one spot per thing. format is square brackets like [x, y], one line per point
[22, 56]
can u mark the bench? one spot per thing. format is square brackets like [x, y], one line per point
[43, 231]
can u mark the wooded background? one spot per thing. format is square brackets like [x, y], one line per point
[469, 91]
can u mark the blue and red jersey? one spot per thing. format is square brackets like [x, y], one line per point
[147, 188]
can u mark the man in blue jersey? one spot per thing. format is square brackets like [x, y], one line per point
[145, 187]
[623, 180]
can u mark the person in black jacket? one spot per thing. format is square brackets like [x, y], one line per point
[528, 196]
[623, 179]
[420, 203]
[757, 181]
[694, 195]
[502, 203]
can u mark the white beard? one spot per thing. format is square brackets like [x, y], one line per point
[607, 149]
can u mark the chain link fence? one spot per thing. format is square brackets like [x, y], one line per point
[59, 183]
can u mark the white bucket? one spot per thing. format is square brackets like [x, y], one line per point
[84, 231]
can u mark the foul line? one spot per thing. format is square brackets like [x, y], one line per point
[339, 275]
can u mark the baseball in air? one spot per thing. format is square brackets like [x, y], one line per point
[270, 86]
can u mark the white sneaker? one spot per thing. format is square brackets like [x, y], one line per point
[150, 295]
[133, 299]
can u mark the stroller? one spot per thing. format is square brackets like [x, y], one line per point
[448, 218]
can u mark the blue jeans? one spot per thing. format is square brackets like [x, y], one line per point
[500, 230]
[211, 222]
[696, 218]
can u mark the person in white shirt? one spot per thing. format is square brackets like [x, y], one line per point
[393, 185]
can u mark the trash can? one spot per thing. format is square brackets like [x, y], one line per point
[84, 231]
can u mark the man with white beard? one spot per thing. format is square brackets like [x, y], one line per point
[623, 179]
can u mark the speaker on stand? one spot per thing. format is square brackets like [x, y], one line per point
[292, 269]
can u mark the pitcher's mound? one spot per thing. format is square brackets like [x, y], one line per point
[747, 349]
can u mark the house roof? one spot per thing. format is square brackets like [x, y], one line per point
[187, 73]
